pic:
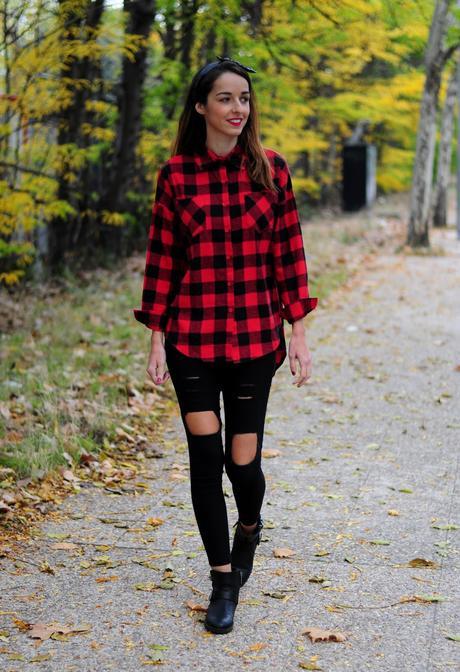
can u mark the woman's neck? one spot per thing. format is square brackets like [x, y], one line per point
[220, 147]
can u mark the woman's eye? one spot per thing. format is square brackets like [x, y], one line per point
[226, 99]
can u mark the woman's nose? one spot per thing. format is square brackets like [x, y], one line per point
[237, 106]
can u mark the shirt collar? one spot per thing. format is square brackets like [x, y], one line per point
[208, 159]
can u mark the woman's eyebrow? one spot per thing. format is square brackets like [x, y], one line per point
[229, 93]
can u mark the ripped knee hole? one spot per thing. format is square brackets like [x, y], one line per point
[244, 448]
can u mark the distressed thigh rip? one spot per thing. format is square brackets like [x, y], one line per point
[202, 422]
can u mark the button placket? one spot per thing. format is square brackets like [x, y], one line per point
[229, 258]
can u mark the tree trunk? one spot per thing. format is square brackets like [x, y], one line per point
[439, 210]
[188, 13]
[122, 175]
[64, 232]
[424, 153]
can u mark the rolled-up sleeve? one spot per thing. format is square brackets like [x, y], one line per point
[290, 265]
[165, 259]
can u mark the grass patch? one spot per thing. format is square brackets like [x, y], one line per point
[327, 282]
[69, 374]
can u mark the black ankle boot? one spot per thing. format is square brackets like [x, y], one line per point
[223, 601]
[244, 547]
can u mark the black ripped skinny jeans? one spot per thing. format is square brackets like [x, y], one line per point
[245, 390]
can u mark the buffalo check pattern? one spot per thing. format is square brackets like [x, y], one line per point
[225, 262]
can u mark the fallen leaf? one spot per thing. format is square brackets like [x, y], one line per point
[258, 646]
[147, 587]
[447, 526]
[430, 598]
[270, 452]
[421, 562]
[320, 635]
[154, 522]
[275, 594]
[194, 606]
[106, 579]
[43, 631]
[69, 476]
[424, 599]
[39, 659]
[21, 625]
[454, 638]
[64, 546]
[283, 552]
[46, 568]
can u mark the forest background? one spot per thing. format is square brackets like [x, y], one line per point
[91, 93]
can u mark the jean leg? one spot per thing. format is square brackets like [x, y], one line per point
[197, 389]
[246, 391]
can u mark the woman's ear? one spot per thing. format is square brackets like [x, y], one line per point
[199, 107]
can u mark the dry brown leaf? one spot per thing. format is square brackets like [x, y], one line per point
[421, 562]
[4, 508]
[194, 606]
[43, 631]
[106, 579]
[64, 546]
[270, 452]
[283, 552]
[320, 635]
[21, 625]
[154, 521]
[423, 599]
[257, 647]
[69, 476]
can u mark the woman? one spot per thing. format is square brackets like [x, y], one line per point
[225, 266]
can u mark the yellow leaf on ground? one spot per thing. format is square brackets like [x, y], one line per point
[154, 521]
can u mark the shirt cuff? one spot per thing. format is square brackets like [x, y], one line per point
[295, 311]
[151, 320]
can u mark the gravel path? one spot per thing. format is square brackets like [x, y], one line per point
[362, 469]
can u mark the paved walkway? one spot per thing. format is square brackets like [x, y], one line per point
[365, 480]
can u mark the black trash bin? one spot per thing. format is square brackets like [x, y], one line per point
[358, 175]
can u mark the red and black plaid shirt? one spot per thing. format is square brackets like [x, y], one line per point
[225, 260]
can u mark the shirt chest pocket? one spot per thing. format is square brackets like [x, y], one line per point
[260, 211]
[193, 212]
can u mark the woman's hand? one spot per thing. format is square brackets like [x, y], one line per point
[156, 367]
[299, 353]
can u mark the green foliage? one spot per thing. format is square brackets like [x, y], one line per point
[321, 69]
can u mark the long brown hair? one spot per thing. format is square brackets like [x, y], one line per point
[191, 134]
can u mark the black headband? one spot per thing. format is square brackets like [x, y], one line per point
[221, 59]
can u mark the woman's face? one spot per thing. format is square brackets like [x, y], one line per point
[227, 109]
